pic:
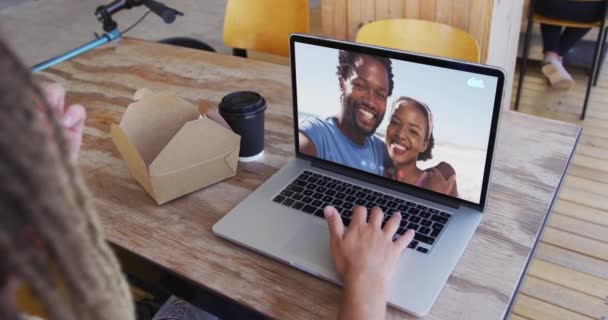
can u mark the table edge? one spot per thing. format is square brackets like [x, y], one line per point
[542, 227]
[188, 289]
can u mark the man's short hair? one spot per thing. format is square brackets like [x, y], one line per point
[346, 63]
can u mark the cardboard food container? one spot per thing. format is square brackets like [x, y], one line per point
[169, 149]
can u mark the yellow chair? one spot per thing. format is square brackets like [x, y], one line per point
[595, 65]
[28, 304]
[422, 37]
[264, 25]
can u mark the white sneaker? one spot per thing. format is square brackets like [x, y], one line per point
[557, 75]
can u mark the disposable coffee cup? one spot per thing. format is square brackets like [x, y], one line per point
[244, 112]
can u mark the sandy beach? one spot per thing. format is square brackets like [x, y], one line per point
[468, 164]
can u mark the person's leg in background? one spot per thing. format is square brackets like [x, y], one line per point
[569, 38]
[557, 44]
[551, 40]
[552, 67]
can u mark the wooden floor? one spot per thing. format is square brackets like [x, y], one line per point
[568, 277]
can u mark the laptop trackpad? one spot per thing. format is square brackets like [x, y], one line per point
[309, 247]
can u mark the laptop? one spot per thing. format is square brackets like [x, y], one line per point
[378, 127]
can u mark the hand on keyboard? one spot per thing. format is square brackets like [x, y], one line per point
[365, 256]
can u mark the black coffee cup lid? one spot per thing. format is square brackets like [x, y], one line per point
[242, 102]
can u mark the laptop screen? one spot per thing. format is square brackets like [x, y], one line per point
[416, 123]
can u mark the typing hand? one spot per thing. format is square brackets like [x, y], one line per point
[365, 256]
[71, 118]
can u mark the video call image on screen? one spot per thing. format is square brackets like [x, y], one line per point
[417, 124]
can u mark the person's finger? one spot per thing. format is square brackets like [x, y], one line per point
[74, 117]
[376, 217]
[426, 179]
[405, 240]
[392, 225]
[73, 123]
[433, 170]
[334, 221]
[74, 139]
[54, 93]
[451, 184]
[359, 216]
[445, 169]
[436, 175]
[336, 233]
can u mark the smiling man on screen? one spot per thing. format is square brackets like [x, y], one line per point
[348, 137]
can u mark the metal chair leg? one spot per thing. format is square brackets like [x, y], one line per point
[594, 65]
[524, 62]
[590, 84]
[597, 54]
[590, 81]
[587, 94]
[239, 52]
[602, 58]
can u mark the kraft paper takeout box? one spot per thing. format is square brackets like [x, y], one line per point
[169, 149]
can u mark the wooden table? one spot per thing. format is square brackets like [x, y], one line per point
[532, 155]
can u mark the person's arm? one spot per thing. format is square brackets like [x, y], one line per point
[363, 298]
[365, 256]
[306, 145]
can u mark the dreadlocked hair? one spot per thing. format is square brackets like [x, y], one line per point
[347, 60]
[50, 235]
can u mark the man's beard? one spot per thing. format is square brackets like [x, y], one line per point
[349, 108]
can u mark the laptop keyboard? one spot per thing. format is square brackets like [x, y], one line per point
[311, 192]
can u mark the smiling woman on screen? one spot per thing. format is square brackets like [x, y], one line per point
[409, 138]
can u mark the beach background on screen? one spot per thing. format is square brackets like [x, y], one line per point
[461, 103]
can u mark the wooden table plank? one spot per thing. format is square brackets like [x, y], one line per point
[516, 317]
[592, 200]
[530, 160]
[587, 173]
[594, 187]
[532, 308]
[581, 212]
[572, 260]
[575, 243]
[592, 151]
[569, 278]
[572, 300]
[579, 227]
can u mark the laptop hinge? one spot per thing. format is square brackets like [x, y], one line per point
[389, 184]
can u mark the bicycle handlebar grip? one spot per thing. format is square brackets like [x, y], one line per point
[166, 13]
